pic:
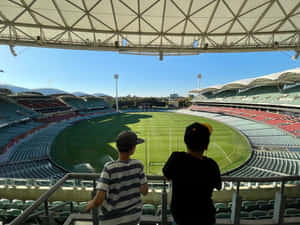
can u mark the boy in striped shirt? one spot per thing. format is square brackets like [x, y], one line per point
[121, 184]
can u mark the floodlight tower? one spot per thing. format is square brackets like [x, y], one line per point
[116, 76]
[199, 76]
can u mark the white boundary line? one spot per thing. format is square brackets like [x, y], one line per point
[148, 152]
[219, 147]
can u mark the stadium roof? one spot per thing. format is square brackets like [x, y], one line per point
[285, 77]
[152, 26]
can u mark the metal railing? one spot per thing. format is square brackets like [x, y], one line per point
[236, 199]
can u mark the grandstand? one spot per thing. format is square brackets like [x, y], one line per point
[11, 112]
[278, 89]
[28, 128]
[40, 103]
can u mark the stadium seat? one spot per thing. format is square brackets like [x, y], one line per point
[3, 216]
[17, 204]
[28, 203]
[148, 209]
[259, 214]
[4, 203]
[221, 207]
[81, 207]
[244, 215]
[249, 206]
[264, 205]
[159, 209]
[13, 213]
[223, 215]
[291, 212]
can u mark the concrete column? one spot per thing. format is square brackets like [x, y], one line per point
[279, 205]
[236, 208]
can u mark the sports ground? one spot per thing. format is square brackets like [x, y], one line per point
[92, 141]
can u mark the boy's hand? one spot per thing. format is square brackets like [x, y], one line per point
[89, 206]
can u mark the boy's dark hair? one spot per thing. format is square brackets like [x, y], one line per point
[127, 140]
[197, 136]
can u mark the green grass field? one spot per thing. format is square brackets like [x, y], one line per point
[92, 141]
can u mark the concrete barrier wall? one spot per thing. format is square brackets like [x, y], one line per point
[154, 196]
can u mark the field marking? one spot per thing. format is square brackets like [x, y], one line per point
[219, 147]
[148, 152]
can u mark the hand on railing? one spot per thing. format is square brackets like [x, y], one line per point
[97, 200]
[89, 206]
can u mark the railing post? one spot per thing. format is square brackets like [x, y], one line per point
[279, 205]
[47, 219]
[95, 210]
[164, 217]
[71, 207]
[236, 205]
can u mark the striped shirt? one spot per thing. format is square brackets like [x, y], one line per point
[121, 180]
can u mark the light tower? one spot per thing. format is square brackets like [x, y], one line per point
[199, 78]
[116, 76]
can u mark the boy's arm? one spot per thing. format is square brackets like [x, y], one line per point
[143, 181]
[144, 189]
[97, 200]
[218, 184]
[102, 187]
[168, 168]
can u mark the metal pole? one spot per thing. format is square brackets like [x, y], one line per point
[164, 218]
[95, 210]
[117, 103]
[47, 212]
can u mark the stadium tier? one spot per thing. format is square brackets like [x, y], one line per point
[96, 103]
[15, 131]
[10, 112]
[76, 102]
[42, 104]
[85, 103]
[289, 123]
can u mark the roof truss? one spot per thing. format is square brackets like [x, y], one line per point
[152, 26]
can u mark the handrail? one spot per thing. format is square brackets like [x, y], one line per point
[93, 176]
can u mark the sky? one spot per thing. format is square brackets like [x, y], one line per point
[93, 71]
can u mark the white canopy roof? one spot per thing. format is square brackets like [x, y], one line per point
[284, 77]
[152, 26]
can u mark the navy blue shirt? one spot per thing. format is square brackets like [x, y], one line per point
[193, 181]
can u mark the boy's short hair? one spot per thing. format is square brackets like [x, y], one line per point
[126, 140]
[197, 136]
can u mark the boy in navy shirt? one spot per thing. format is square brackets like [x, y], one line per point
[193, 176]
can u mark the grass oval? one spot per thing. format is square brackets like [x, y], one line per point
[93, 141]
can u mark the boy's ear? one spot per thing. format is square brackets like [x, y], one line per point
[133, 149]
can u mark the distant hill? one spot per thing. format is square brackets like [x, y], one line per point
[100, 95]
[80, 93]
[14, 89]
[49, 91]
[45, 91]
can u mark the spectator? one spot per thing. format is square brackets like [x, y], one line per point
[120, 185]
[193, 176]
